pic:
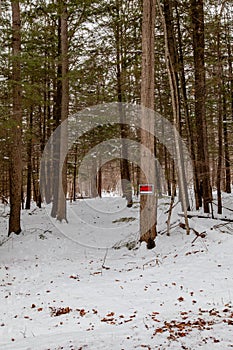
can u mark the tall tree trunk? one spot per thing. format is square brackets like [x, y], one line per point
[124, 163]
[93, 182]
[61, 211]
[16, 133]
[75, 172]
[189, 130]
[172, 67]
[220, 122]
[148, 203]
[57, 120]
[29, 163]
[226, 146]
[197, 14]
[99, 179]
[225, 130]
[230, 69]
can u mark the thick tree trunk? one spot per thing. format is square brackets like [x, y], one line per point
[148, 203]
[16, 133]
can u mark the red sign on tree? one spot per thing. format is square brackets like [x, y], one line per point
[146, 189]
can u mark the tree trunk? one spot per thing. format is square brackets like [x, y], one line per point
[61, 210]
[197, 13]
[57, 120]
[190, 136]
[172, 67]
[148, 203]
[99, 179]
[75, 172]
[16, 133]
[93, 183]
[220, 122]
[226, 147]
[29, 163]
[124, 163]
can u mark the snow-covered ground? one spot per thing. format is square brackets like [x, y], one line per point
[62, 286]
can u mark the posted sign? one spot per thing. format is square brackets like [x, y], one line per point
[146, 189]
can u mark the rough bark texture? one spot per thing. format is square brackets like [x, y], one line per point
[16, 133]
[148, 203]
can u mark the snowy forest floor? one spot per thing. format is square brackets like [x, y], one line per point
[62, 292]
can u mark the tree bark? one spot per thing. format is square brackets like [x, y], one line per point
[197, 14]
[61, 210]
[124, 163]
[189, 130]
[226, 147]
[148, 203]
[16, 130]
[57, 120]
[172, 67]
[29, 163]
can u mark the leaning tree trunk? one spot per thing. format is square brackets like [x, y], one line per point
[148, 203]
[172, 68]
[16, 133]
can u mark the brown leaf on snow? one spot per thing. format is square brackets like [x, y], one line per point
[110, 314]
[180, 299]
[105, 319]
[59, 311]
[82, 312]
[181, 334]
[155, 313]
[159, 330]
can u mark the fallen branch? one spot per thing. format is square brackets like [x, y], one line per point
[219, 226]
[103, 265]
[172, 225]
[203, 216]
[198, 234]
[223, 207]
